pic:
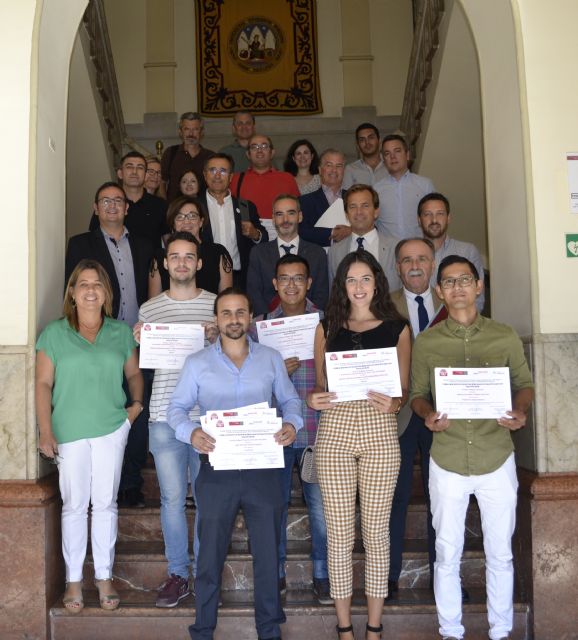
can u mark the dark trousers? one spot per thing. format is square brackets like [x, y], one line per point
[416, 436]
[136, 452]
[220, 495]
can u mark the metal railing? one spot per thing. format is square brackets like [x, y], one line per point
[425, 43]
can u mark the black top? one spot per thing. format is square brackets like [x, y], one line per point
[383, 336]
[209, 275]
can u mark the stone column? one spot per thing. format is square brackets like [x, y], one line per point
[356, 54]
[160, 56]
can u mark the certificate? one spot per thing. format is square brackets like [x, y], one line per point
[351, 374]
[480, 393]
[333, 216]
[292, 336]
[166, 346]
[244, 439]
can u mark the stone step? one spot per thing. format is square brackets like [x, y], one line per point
[140, 525]
[411, 616]
[141, 566]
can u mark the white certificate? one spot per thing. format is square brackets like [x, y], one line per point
[351, 374]
[166, 346]
[572, 164]
[245, 439]
[479, 393]
[292, 336]
[334, 215]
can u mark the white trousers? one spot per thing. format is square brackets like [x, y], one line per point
[496, 494]
[89, 472]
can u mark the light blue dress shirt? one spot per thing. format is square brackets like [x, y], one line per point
[210, 379]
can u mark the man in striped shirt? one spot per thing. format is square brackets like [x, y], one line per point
[183, 303]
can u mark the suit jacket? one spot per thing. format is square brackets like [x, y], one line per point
[313, 206]
[244, 244]
[339, 250]
[92, 245]
[400, 301]
[262, 270]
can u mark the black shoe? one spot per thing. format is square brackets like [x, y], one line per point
[132, 497]
[392, 587]
[341, 630]
[465, 596]
[322, 591]
[373, 629]
[283, 585]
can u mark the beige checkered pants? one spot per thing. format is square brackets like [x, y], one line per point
[357, 447]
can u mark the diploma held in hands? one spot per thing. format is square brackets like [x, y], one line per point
[351, 374]
[166, 346]
[292, 336]
[479, 393]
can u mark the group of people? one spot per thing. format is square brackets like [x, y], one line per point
[388, 276]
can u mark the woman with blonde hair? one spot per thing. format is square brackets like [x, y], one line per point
[83, 423]
[357, 445]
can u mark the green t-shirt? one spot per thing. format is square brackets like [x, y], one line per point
[87, 398]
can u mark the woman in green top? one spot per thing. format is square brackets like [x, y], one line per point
[83, 422]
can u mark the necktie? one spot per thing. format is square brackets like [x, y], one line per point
[360, 243]
[287, 248]
[422, 316]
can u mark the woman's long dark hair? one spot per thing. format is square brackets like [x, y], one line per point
[338, 308]
[290, 166]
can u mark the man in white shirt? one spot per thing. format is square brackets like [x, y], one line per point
[361, 204]
[433, 214]
[400, 191]
[369, 168]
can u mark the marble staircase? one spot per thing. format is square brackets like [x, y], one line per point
[140, 567]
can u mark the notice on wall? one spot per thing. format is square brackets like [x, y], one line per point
[572, 245]
[572, 163]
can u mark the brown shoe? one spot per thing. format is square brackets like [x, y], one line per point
[173, 591]
[72, 598]
[107, 594]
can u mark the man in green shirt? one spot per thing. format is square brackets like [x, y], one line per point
[470, 455]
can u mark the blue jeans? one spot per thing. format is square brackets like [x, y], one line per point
[312, 495]
[173, 459]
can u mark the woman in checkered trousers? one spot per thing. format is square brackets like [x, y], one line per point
[357, 443]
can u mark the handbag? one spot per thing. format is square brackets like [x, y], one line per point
[307, 465]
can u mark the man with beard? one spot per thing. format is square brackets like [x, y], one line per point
[369, 168]
[433, 214]
[188, 156]
[236, 372]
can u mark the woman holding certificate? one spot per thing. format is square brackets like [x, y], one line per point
[83, 422]
[357, 444]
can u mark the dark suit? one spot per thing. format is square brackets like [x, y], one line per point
[313, 206]
[413, 436]
[262, 271]
[244, 244]
[92, 245]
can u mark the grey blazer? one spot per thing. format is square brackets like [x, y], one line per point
[339, 250]
[261, 271]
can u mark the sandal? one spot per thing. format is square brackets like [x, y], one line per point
[341, 630]
[107, 594]
[373, 629]
[72, 598]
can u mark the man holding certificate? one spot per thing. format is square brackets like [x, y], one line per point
[236, 372]
[472, 450]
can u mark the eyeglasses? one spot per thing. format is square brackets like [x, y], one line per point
[117, 202]
[462, 281]
[55, 460]
[187, 216]
[297, 280]
[153, 172]
[218, 171]
[263, 146]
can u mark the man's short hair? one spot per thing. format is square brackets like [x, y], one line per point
[220, 156]
[453, 259]
[395, 137]
[366, 125]
[232, 291]
[133, 154]
[291, 258]
[107, 185]
[190, 115]
[357, 188]
[260, 135]
[403, 242]
[244, 112]
[287, 196]
[433, 196]
[326, 152]
[187, 236]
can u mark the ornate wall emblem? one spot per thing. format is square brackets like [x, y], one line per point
[256, 44]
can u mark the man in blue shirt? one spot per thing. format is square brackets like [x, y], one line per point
[236, 372]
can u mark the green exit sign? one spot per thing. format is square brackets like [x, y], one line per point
[572, 245]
